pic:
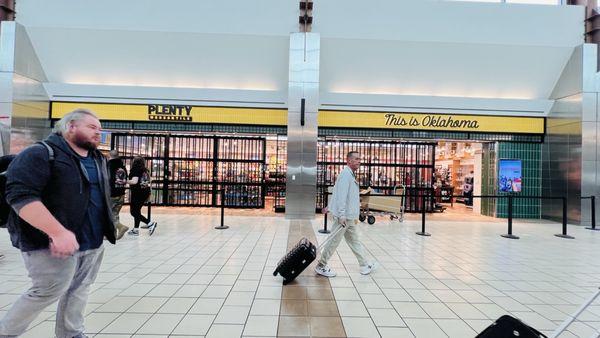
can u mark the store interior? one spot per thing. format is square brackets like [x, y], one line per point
[458, 173]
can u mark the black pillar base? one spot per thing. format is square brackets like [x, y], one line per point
[595, 229]
[564, 236]
[511, 236]
[323, 231]
[221, 227]
[420, 233]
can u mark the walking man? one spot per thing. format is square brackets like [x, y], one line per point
[118, 179]
[345, 209]
[61, 213]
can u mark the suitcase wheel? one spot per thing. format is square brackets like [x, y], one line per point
[371, 219]
[275, 273]
[362, 217]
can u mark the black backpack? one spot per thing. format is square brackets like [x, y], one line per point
[4, 163]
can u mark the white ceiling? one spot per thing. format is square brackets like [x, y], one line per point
[391, 47]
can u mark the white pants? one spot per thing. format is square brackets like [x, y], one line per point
[351, 234]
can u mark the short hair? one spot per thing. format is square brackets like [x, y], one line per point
[62, 126]
[351, 153]
[114, 153]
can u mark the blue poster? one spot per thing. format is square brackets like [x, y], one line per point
[509, 175]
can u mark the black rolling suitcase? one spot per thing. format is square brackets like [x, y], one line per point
[507, 326]
[297, 259]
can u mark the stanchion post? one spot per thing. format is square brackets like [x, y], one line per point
[564, 221]
[222, 226]
[593, 205]
[510, 219]
[324, 230]
[423, 232]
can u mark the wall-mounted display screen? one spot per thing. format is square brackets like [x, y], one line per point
[509, 175]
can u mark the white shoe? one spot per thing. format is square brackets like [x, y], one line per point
[324, 270]
[367, 269]
[152, 227]
[133, 232]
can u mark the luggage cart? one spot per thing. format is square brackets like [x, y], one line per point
[372, 204]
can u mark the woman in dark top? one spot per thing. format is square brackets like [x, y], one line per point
[139, 182]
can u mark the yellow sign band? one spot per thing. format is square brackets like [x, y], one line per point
[434, 122]
[176, 113]
[327, 118]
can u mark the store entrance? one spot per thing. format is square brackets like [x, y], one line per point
[191, 170]
[458, 168]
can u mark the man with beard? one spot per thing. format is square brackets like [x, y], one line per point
[60, 216]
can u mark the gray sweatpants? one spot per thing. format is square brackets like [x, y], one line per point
[68, 279]
[351, 234]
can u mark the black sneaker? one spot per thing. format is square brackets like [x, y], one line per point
[152, 227]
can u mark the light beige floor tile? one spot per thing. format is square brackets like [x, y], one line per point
[194, 325]
[269, 292]
[236, 298]
[161, 324]
[376, 301]
[424, 328]
[127, 323]
[352, 308]
[409, 310]
[395, 332]
[216, 291]
[265, 307]
[455, 328]
[386, 317]
[232, 315]
[261, 326]
[207, 306]
[95, 322]
[190, 291]
[177, 305]
[118, 304]
[147, 305]
[359, 327]
[225, 331]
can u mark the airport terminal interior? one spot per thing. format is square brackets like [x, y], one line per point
[476, 122]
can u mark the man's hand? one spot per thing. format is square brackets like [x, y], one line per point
[342, 221]
[63, 244]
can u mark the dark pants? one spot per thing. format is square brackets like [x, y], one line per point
[136, 209]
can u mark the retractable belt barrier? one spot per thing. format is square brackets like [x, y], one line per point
[509, 234]
[222, 226]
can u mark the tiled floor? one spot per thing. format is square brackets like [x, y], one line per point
[189, 280]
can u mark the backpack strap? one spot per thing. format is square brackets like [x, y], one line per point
[50, 150]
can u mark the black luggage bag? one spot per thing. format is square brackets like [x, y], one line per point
[300, 257]
[507, 327]
[296, 260]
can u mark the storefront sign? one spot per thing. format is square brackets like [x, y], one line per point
[162, 112]
[176, 113]
[434, 122]
[327, 118]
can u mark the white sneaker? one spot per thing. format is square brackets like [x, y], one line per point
[152, 227]
[133, 232]
[367, 269]
[324, 270]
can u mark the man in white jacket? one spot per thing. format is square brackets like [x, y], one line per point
[345, 209]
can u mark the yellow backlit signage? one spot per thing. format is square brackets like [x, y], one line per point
[434, 122]
[327, 118]
[176, 113]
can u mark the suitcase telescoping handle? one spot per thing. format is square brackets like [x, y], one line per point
[330, 237]
[572, 318]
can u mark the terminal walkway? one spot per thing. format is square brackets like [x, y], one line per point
[190, 280]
